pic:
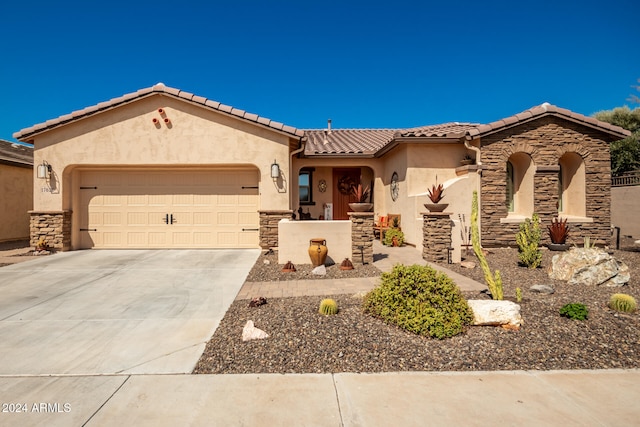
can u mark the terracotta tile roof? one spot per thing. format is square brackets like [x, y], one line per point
[15, 154]
[547, 109]
[445, 130]
[347, 141]
[25, 134]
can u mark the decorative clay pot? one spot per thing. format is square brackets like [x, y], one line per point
[318, 251]
[558, 246]
[361, 207]
[436, 207]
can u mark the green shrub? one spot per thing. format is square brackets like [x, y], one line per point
[528, 240]
[390, 234]
[575, 311]
[328, 306]
[622, 302]
[420, 300]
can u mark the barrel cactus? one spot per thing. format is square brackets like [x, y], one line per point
[622, 302]
[328, 306]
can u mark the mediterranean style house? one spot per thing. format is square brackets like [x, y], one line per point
[16, 190]
[164, 168]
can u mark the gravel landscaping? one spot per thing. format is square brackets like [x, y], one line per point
[303, 341]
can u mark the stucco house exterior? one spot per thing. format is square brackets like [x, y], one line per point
[162, 167]
[16, 190]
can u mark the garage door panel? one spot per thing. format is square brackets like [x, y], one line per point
[128, 209]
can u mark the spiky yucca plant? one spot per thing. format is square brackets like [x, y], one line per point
[328, 306]
[494, 283]
[622, 302]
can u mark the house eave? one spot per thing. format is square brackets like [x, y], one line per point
[417, 140]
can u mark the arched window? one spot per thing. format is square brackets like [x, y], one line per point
[572, 186]
[519, 185]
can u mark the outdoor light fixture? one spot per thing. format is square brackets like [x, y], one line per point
[44, 170]
[275, 170]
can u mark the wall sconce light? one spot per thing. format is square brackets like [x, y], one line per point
[44, 170]
[275, 170]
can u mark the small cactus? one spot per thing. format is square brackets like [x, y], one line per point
[328, 306]
[518, 295]
[622, 302]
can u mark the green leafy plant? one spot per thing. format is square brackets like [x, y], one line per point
[421, 300]
[558, 231]
[436, 193]
[396, 222]
[623, 302]
[518, 295]
[528, 239]
[576, 311]
[390, 234]
[328, 307]
[493, 282]
[361, 194]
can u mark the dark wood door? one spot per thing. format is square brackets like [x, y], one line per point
[343, 180]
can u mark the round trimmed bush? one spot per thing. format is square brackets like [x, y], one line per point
[421, 300]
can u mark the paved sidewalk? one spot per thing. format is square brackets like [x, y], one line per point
[384, 258]
[522, 398]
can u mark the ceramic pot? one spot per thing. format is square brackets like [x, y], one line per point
[318, 251]
[436, 207]
[558, 246]
[361, 207]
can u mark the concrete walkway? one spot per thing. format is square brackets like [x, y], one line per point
[523, 398]
[384, 257]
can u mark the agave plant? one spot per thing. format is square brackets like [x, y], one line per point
[558, 231]
[361, 194]
[436, 193]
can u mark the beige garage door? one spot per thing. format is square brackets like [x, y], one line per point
[169, 209]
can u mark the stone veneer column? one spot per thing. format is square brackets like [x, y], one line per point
[269, 227]
[361, 237]
[437, 236]
[52, 226]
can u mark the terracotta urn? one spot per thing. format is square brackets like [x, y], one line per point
[318, 251]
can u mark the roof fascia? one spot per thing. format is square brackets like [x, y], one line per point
[613, 136]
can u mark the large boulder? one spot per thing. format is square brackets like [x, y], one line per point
[495, 313]
[589, 266]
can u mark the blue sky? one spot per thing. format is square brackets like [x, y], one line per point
[364, 64]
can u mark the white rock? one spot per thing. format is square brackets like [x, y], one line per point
[468, 264]
[495, 313]
[250, 332]
[320, 270]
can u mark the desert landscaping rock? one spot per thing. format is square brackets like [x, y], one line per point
[304, 341]
[590, 267]
[495, 313]
[542, 289]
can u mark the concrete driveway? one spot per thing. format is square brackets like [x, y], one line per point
[115, 312]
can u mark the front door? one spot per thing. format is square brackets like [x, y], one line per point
[343, 180]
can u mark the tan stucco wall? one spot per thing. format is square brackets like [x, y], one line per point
[127, 136]
[625, 205]
[16, 199]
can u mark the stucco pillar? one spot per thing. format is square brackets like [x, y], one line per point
[436, 236]
[54, 227]
[361, 237]
[269, 227]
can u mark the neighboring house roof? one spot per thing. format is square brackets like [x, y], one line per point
[159, 88]
[16, 154]
[546, 109]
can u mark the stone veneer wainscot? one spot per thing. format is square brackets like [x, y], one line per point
[52, 226]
